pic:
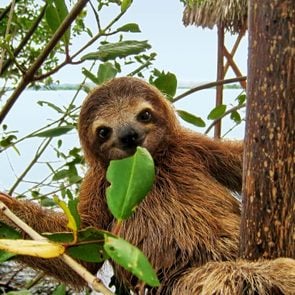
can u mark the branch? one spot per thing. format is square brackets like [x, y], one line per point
[96, 15]
[141, 67]
[41, 58]
[69, 59]
[31, 164]
[24, 40]
[235, 108]
[79, 269]
[11, 9]
[42, 149]
[209, 85]
[36, 131]
[6, 10]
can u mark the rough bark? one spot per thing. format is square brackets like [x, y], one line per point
[268, 215]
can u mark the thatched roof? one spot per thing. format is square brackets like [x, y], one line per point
[232, 14]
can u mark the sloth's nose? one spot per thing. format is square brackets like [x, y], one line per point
[129, 138]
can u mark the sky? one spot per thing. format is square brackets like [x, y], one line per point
[189, 52]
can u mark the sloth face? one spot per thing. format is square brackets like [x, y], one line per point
[122, 114]
[117, 134]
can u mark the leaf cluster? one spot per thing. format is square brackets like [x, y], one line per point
[91, 244]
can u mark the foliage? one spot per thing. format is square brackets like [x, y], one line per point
[91, 244]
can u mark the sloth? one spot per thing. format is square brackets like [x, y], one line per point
[190, 216]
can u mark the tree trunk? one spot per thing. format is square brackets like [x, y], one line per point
[268, 214]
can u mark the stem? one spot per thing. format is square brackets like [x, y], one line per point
[40, 149]
[37, 131]
[94, 282]
[96, 15]
[32, 163]
[17, 221]
[116, 229]
[140, 68]
[27, 78]
[231, 129]
[224, 115]
[7, 32]
[69, 60]
[24, 41]
[209, 85]
[35, 280]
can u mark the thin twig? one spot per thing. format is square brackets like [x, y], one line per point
[96, 15]
[40, 275]
[69, 60]
[7, 32]
[27, 78]
[231, 129]
[209, 85]
[37, 131]
[235, 108]
[141, 67]
[46, 143]
[38, 154]
[24, 41]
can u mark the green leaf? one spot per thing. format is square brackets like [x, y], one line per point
[190, 118]
[7, 141]
[88, 234]
[72, 225]
[131, 27]
[7, 232]
[62, 237]
[53, 106]
[60, 290]
[56, 12]
[61, 174]
[131, 179]
[4, 256]
[47, 202]
[52, 17]
[54, 132]
[131, 258]
[90, 76]
[106, 71]
[73, 206]
[125, 5]
[93, 252]
[235, 116]
[167, 83]
[217, 112]
[241, 99]
[111, 51]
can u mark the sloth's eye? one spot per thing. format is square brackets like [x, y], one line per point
[144, 116]
[103, 133]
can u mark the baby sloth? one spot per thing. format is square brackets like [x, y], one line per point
[190, 216]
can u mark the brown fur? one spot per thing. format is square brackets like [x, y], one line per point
[190, 216]
[239, 277]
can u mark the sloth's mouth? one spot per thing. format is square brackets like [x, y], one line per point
[121, 152]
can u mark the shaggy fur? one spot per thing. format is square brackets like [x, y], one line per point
[189, 218]
[239, 277]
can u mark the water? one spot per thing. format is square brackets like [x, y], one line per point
[27, 116]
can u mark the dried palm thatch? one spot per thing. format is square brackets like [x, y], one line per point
[232, 14]
[240, 277]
